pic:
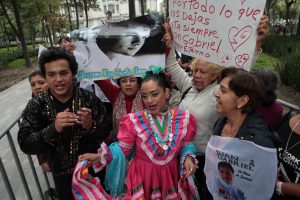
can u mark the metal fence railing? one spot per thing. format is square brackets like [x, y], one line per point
[29, 194]
[20, 169]
[288, 105]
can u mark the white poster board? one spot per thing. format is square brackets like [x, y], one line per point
[218, 31]
[239, 170]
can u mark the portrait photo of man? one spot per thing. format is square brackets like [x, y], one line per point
[224, 184]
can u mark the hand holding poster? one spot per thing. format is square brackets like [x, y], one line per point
[119, 49]
[222, 32]
[238, 170]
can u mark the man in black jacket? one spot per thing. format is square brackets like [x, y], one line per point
[63, 122]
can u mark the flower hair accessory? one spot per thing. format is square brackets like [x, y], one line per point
[157, 70]
[154, 70]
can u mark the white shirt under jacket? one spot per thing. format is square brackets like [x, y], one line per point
[201, 104]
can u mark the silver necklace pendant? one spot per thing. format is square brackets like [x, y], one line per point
[287, 148]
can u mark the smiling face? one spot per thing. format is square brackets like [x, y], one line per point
[227, 100]
[128, 40]
[154, 97]
[60, 79]
[38, 84]
[129, 85]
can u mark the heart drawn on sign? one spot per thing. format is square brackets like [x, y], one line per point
[224, 58]
[240, 60]
[238, 37]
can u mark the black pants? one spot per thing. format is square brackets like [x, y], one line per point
[201, 180]
[63, 186]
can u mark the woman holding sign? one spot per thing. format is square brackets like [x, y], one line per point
[241, 138]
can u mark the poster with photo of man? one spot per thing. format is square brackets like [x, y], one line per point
[236, 169]
[125, 48]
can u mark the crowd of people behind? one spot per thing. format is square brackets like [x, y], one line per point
[155, 137]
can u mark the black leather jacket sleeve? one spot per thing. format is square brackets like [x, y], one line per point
[35, 136]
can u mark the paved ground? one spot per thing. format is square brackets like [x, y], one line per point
[12, 102]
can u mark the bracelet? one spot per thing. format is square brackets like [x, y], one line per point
[278, 188]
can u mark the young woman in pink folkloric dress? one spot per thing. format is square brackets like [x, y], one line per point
[163, 159]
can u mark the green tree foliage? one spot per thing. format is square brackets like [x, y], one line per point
[288, 4]
[14, 8]
[270, 4]
[27, 20]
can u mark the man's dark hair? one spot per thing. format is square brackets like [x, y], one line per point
[63, 37]
[269, 78]
[35, 73]
[225, 165]
[57, 53]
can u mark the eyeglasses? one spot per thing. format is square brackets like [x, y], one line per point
[128, 80]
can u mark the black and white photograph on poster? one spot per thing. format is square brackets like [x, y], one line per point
[239, 170]
[125, 48]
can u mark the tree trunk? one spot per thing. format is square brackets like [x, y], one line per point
[269, 5]
[32, 35]
[49, 33]
[142, 7]
[6, 34]
[86, 13]
[287, 16]
[4, 11]
[69, 15]
[21, 33]
[131, 6]
[288, 4]
[44, 33]
[53, 34]
[76, 11]
[167, 9]
[52, 38]
[298, 27]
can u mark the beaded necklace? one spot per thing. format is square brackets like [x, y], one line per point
[67, 158]
[163, 144]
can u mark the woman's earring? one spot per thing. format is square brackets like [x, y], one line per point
[168, 95]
